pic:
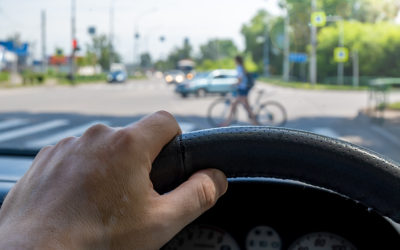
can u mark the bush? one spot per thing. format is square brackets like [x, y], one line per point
[33, 77]
[4, 76]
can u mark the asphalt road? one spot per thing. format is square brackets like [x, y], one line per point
[38, 116]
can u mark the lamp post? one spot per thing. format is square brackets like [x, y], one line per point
[136, 35]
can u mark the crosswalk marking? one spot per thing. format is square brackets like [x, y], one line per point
[186, 126]
[8, 135]
[325, 131]
[54, 138]
[12, 123]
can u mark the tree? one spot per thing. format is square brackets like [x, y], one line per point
[145, 60]
[218, 49]
[254, 33]
[101, 48]
[378, 47]
[178, 53]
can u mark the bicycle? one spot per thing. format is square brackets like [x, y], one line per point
[269, 113]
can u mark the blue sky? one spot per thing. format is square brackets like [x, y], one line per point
[174, 19]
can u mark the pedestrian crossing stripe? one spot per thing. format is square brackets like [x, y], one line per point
[325, 132]
[11, 130]
[54, 138]
[12, 123]
[24, 131]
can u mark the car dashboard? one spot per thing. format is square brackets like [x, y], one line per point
[260, 214]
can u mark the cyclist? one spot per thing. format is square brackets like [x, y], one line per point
[241, 94]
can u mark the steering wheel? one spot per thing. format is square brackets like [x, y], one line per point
[349, 170]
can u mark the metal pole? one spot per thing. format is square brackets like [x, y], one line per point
[356, 72]
[313, 59]
[341, 44]
[111, 38]
[73, 36]
[286, 64]
[266, 52]
[44, 58]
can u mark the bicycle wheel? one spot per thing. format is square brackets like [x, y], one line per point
[218, 112]
[272, 114]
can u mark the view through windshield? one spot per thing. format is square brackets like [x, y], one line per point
[328, 67]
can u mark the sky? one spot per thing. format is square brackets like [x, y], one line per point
[175, 19]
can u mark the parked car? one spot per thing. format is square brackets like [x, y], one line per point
[219, 81]
[118, 76]
[174, 76]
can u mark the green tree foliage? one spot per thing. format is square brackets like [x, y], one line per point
[177, 54]
[361, 10]
[378, 46]
[100, 47]
[145, 60]
[216, 49]
[254, 34]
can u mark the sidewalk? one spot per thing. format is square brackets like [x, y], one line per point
[385, 123]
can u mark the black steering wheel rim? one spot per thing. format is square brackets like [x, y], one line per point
[350, 170]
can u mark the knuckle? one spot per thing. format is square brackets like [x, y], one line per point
[124, 137]
[96, 129]
[165, 114]
[67, 140]
[207, 193]
[45, 149]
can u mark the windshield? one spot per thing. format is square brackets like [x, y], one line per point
[330, 67]
[202, 75]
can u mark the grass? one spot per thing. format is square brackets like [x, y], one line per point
[394, 106]
[306, 85]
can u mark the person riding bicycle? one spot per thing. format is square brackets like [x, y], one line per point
[241, 93]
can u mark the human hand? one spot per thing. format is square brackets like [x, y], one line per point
[94, 192]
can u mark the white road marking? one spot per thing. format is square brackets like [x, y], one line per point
[12, 123]
[12, 134]
[387, 135]
[186, 126]
[325, 131]
[54, 138]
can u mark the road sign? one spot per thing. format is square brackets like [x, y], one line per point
[318, 19]
[341, 54]
[298, 57]
[92, 30]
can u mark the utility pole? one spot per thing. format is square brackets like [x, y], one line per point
[356, 71]
[341, 44]
[313, 59]
[73, 38]
[266, 51]
[286, 63]
[136, 37]
[43, 27]
[111, 36]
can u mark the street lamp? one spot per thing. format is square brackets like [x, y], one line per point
[137, 34]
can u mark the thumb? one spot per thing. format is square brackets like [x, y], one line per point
[192, 198]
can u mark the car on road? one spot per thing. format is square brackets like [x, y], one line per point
[174, 76]
[219, 81]
[118, 76]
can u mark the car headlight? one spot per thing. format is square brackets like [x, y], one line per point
[179, 79]
[168, 78]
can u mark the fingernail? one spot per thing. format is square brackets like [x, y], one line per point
[221, 181]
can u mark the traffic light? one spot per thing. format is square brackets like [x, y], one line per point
[75, 46]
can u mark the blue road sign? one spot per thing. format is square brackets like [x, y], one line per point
[298, 57]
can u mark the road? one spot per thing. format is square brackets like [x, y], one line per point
[38, 116]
